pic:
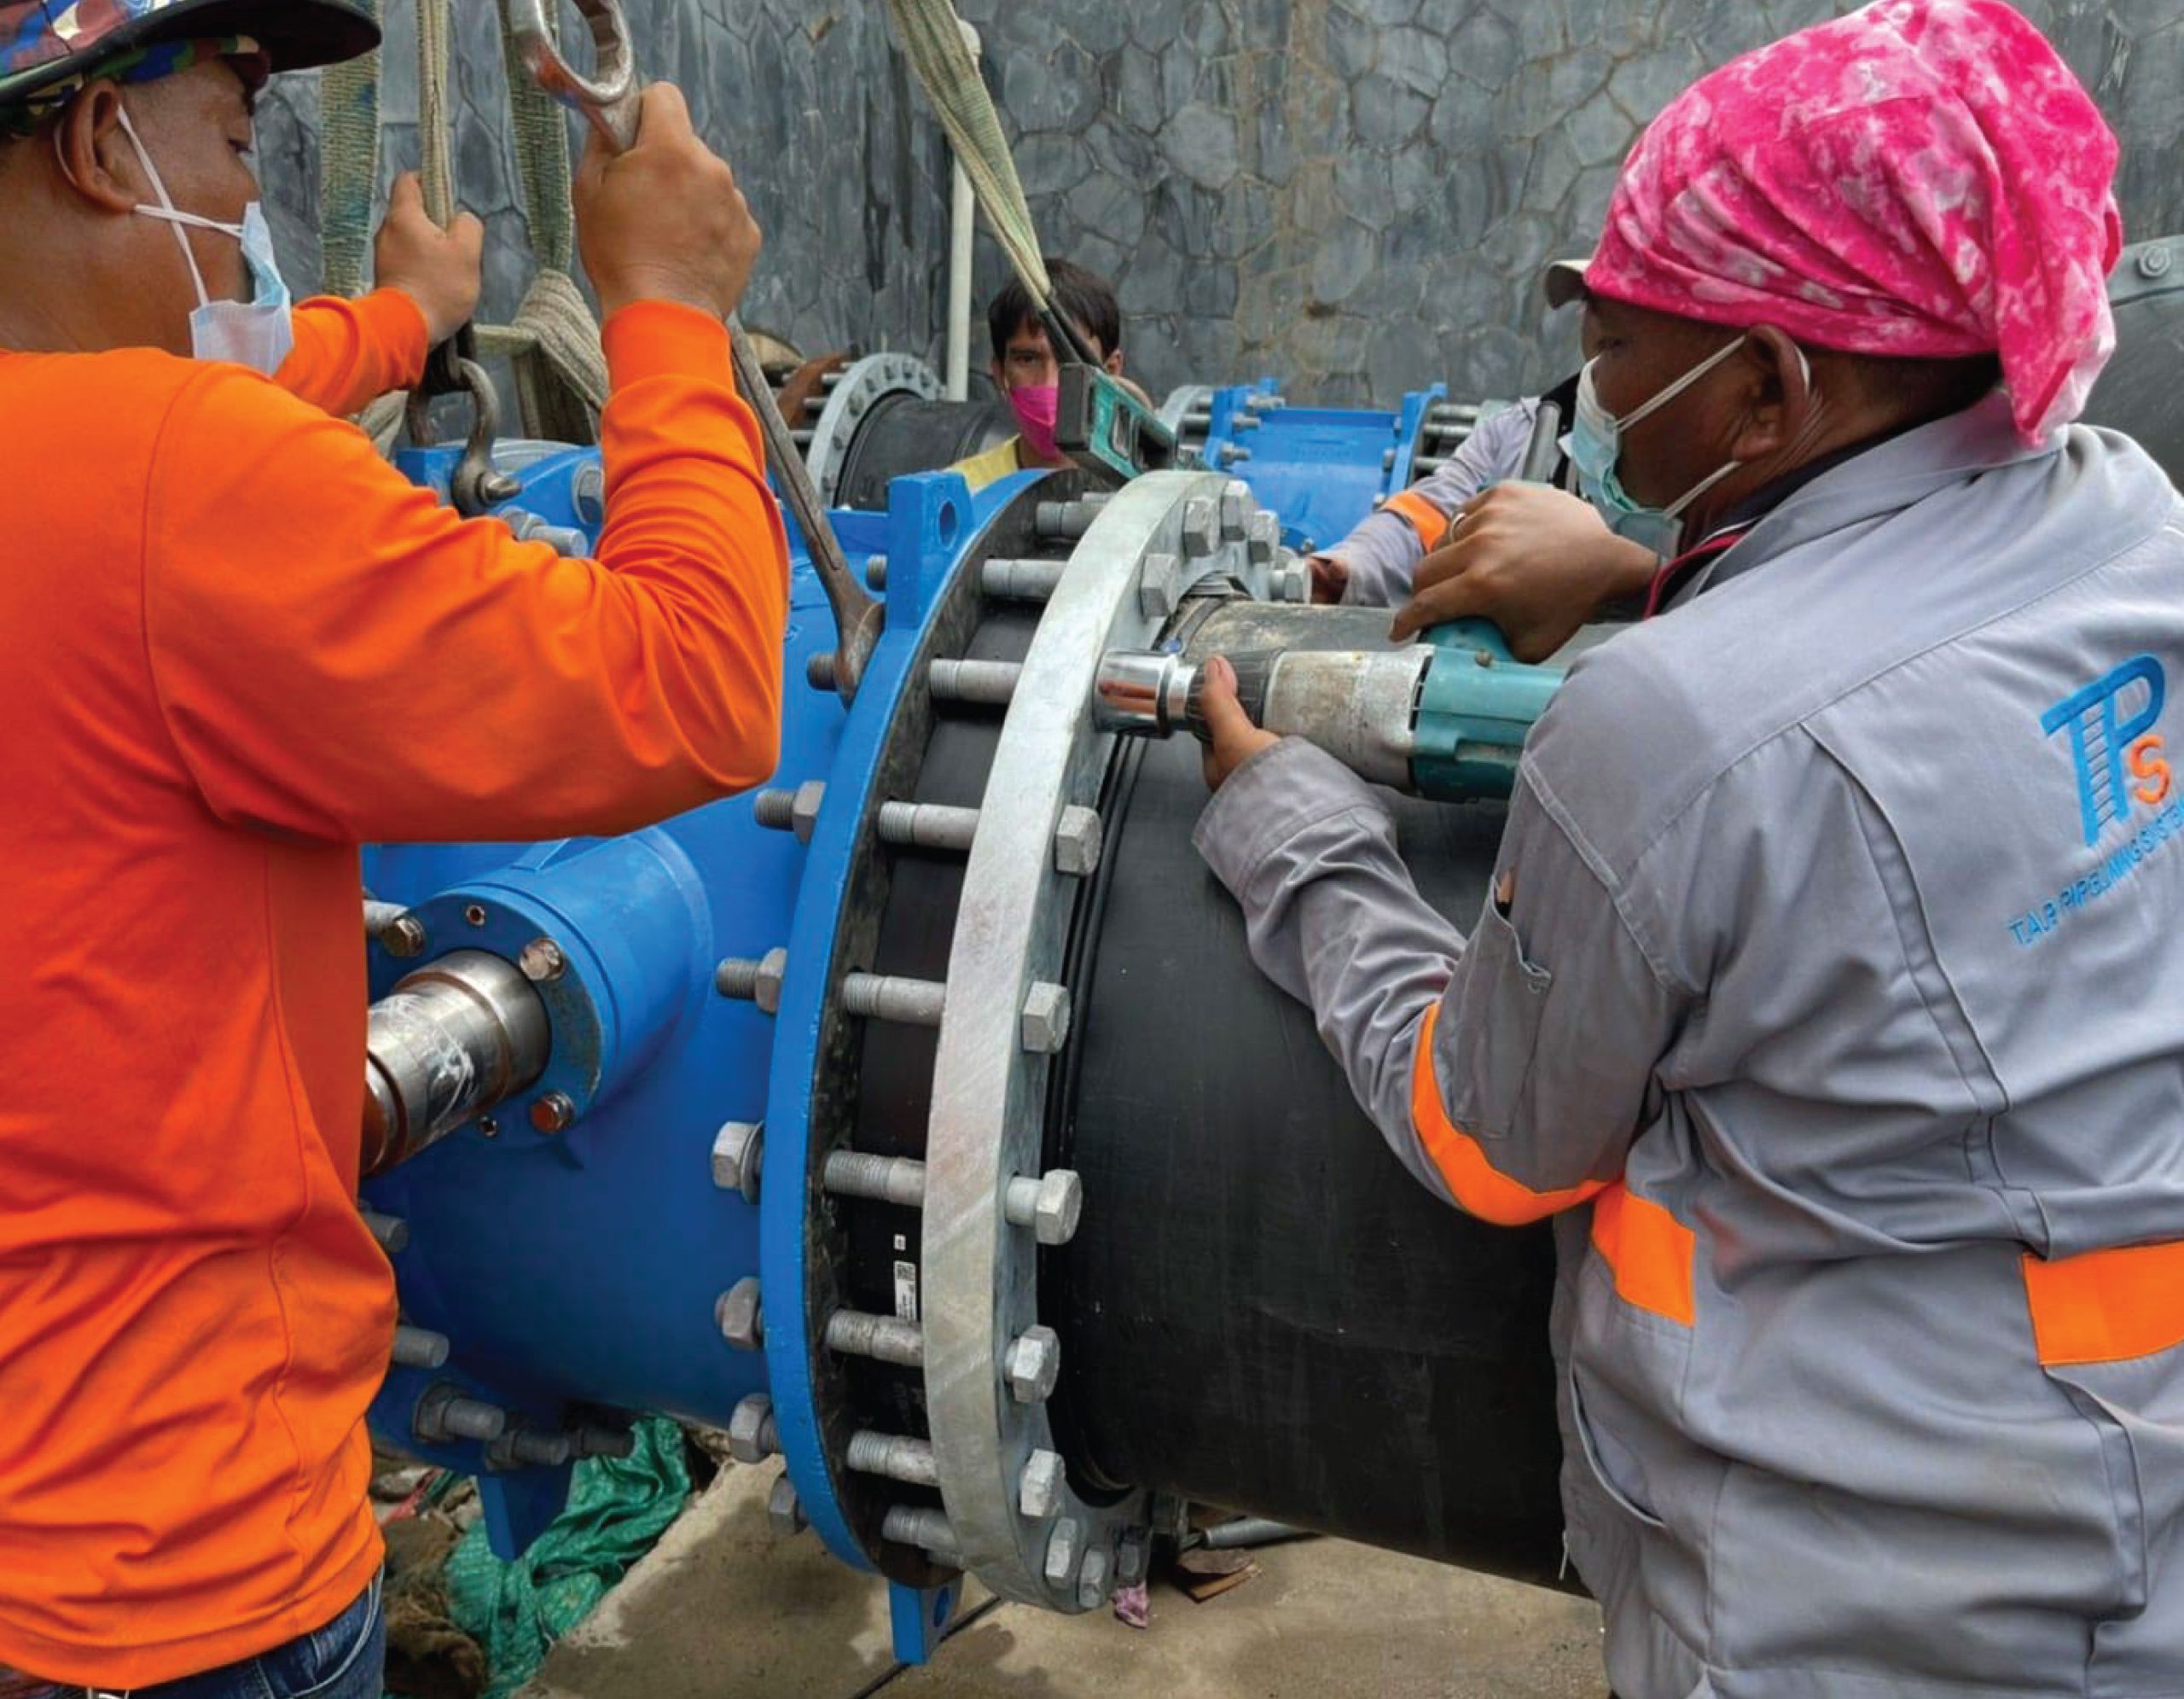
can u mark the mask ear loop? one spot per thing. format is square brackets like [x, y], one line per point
[1638, 415]
[173, 217]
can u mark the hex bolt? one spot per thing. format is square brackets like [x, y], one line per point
[884, 1339]
[444, 1414]
[791, 811]
[885, 1179]
[390, 1232]
[928, 825]
[739, 1153]
[542, 961]
[1262, 538]
[555, 1112]
[419, 1347]
[908, 1002]
[1021, 580]
[594, 1441]
[1050, 1206]
[875, 572]
[1261, 402]
[1131, 1556]
[740, 1317]
[1039, 1488]
[1065, 1551]
[1092, 1581]
[986, 683]
[1046, 1019]
[1291, 583]
[1063, 522]
[785, 1511]
[897, 1455]
[532, 1447]
[1427, 465]
[1231, 455]
[1202, 525]
[750, 981]
[399, 932]
[753, 1435]
[1079, 841]
[1033, 1365]
[928, 1530]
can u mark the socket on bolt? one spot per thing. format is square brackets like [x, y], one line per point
[1046, 1019]
[1033, 1365]
[752, 1434]
[1038, 1491]
[739, 1153]
[741, 1320]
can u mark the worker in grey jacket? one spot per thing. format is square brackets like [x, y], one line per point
[1826, 967]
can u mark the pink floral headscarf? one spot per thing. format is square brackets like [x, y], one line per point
[1923, 178]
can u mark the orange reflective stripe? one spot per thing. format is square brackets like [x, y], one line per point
[1652, 1254]
[2106, 1306]
[1478, 1186]
[1431, 524]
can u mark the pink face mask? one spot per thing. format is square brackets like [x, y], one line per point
[1038, 407]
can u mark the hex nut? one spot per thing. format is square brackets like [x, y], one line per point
[541, 961]
[751, 1437]
[1064, 1552]
[1039, 1491]
[1092, 1581]
[785, 1511]
[742, 1324]
[1263, 534]
[1236, 507]
[1033, 1364]
[1079, 841]
[772, 970]
[1291, 583]
[402, 938]
[1131, 1557]
[739, 1153]
[810, 796]
[1201, 528]
[1060, 1207]
[555, 1112]
[1046, 1019]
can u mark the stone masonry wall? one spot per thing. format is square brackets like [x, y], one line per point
[1354, 195]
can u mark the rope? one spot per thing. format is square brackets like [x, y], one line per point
[435, 130]
[348, 168]
[932, 37]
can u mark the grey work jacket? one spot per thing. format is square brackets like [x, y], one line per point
[1384, 552]
[1840, 981]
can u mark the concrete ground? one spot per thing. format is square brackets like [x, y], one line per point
[721, 1609]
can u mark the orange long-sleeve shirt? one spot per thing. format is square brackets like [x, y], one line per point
[241, 646]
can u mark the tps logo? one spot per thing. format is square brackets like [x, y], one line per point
[2112, 740]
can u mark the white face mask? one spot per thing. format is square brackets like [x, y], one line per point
[256, 332]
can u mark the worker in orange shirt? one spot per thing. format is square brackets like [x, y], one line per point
[240, 647]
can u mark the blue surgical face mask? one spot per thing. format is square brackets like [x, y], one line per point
[256, 332]
[1595, 445]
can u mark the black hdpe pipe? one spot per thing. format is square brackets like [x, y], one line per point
[1263, 1309]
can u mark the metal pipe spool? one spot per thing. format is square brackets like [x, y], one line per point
[903, 434]
[1233, 1166]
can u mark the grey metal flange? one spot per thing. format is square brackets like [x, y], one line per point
[988, 1363]
[851, 401]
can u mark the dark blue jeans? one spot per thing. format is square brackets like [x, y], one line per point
[345, 1660]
